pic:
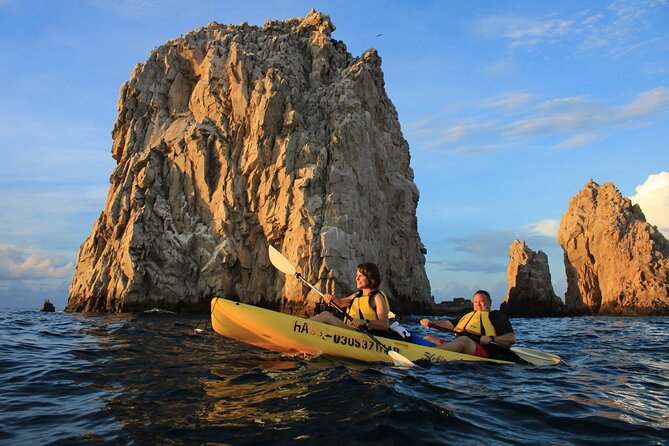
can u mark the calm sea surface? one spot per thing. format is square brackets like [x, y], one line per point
[132, 379]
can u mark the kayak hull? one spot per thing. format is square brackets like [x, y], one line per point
[285, 333]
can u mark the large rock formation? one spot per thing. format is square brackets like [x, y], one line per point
[232, 138]
[616, 263]
[530, 291]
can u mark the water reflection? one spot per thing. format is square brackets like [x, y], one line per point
[253, 396]
[73, 379]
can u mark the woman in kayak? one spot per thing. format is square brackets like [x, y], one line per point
[367, 308]
[490, 329]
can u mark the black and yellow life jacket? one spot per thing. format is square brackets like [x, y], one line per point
[361, 306]
[477, 323]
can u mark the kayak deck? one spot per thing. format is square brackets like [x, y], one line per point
[286, 333]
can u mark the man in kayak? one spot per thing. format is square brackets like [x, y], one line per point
[481, 332]
[367, 308]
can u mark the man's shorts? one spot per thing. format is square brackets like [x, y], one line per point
[480, 351]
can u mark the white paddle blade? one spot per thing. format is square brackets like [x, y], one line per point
[536, 357]
[283, 265]
[399, 360]
[280, 262]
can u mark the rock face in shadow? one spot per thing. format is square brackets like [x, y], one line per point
[48, 306]
[530, 291]
[616, 263]
[231, 138]
[457, 307]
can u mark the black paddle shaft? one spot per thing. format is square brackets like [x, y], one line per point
[330, 304]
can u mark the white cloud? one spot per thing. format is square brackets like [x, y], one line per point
[616, 30]
[463, 130]
[653, 198]
[548, 228]
[645, 104]
[521, 117]
[568, 105]
[525, 31]
[511, 101]
[559, 116]
[19, 263]
[578, 140]
[586, 116]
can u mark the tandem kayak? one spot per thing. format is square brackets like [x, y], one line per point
[285, 333]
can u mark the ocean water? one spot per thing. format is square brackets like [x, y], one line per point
[72, 379]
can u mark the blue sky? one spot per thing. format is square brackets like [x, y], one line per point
[509, 109]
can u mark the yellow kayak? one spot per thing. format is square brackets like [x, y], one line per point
[285, 333]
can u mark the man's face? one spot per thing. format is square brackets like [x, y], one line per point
[481, 303]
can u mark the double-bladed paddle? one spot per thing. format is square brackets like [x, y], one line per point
[535, 357]
[283, 265]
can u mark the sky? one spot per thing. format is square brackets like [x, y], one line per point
[509, 108]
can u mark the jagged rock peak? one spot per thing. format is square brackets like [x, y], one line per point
[530, 292]
[616, 262]
[231, 138]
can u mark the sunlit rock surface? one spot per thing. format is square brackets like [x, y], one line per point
[616, 262]
[231, 138]
[530, 292]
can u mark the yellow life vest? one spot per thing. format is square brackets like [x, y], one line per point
[476, 322]
[359, 307]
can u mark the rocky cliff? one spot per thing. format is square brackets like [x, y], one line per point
[231, 138]
[530, 291]
[616, 263]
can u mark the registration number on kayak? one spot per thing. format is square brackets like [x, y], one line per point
[351, 341]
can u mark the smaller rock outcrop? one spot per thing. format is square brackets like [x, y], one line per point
[456, 307]
[616, 262]
[48, 306]
[530, 291]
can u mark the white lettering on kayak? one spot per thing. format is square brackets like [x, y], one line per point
[353, 340]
